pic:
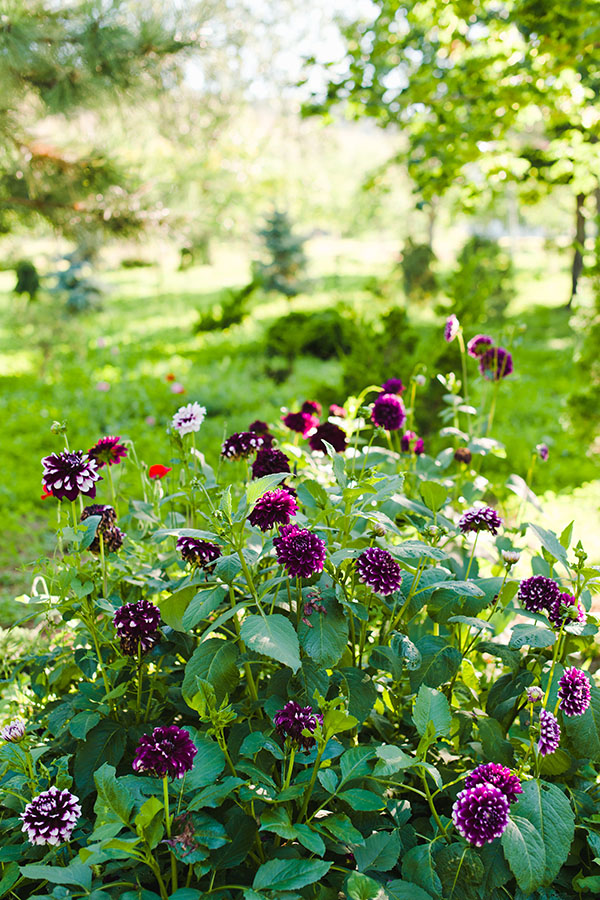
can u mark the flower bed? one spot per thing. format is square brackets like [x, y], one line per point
[310, 671]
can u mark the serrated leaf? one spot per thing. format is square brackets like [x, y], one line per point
[259, 486]
[354, 763]
[434, 495]
[272, 636]
[432, 706]
[380, 852]
[215, 661]
[549, 812]
[551, 543]
[405, 890]
[289, 874]
[326, 637]
[524, 635]
[202, 605]
[361, 887]
[76, 873]
[525, 853]
[439, 662]
[360, 799]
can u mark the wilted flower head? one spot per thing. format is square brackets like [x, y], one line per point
[566, 609]
[167, 751]
[463, 455]
[14, 731]
[112, 536]
[67, 475]
[392, 386]
[480, 814]
[137, 626]
[293, 719]
[312, 407]
[388, 412]
[273, 508]
[538, 593]
[511, 557]
[379, 569]
[241, 444]
[331, 433]
[189, 418]
[51, 817]
[198, 552]
[108, 451]
[542, 451]
[574, 692]
[478, 345]
[451, 328]
[300, 551]
[158, 471]
[269, 461]
[480, 518]
[301, 422]
[495, 363]
[534, 694]
[549, 733]
[500, 776]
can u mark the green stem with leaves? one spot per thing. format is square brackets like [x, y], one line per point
[168, 822]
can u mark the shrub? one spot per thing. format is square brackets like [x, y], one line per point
[232, 310]
[417, 263]
[326, 334]
[482, 285]
[285, 261]
[341, 703]
[28, 279]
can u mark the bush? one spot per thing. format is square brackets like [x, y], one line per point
[482, 285]
[305, 713]
[28, 279]
[326, 334]
[285, 260]
[381, 347]
[417, 263]
[232, 310]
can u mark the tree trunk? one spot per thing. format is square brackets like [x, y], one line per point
[577, 266]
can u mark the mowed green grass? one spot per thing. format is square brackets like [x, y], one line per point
[51, 365]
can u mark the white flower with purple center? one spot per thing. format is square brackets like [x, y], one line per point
[67, 475]
[451, 328]
[189, 418]
[51, 817]
[13, 732]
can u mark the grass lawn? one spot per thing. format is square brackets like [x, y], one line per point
[54, 366]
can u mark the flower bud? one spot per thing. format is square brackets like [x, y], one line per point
[463, 455]
[511, 557]
[534, 694]
[58, 427]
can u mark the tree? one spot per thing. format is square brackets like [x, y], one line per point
[480, 90]
[57, 60]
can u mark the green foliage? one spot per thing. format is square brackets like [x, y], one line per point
[74, 284]
[327, 334]
[417, 262]
[28, 279]
[285, 262]
[482, 285]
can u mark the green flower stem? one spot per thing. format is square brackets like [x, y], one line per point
[311, 783]
[472, 556]
[555, 657]
[413, 590]
[367, 451]
[93, 632]
[113, 494]
[138, 696]
[463, 359]
[290, 769]
[411, 405]
[74, 514]
[531, 742]
[103, 565]
[434, 811]
[299, 602]
[250, 582]
[153, 866]
[492, 407]
[168, 822]
[247, 666]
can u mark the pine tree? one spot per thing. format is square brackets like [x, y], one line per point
[286, 258]
[62, 60]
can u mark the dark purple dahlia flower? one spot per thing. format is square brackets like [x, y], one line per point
[574, 692]
[338, 411]
[107, 514]
[51, 817]
[198, 552]
[478, 345]
[260, 427]
[451, 328]
[14, 732]
[112, 536]
[300, 551]
[480, 518]
[392, 386]
[538, 593]
[549, 733]
[137, 626]
[273, 508]
[388, 412]
[293, 719]
[499, 776]
[542, 451]
[331, 433]
[302, 422]
[269, 462]
[410, 442]
[379, 569]
[168, 751]
[241, 444]
[67, 475]
[480, 814]
[419, 447]
[108, 451]
[566, 609]
[311, 407]
[495, 363]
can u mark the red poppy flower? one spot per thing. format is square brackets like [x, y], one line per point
[170, 377]
[46, 493]
[158, 471]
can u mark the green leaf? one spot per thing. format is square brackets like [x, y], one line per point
[391, 759]
[173, 607]
[493, 742]
[259, 486]
[227, 568]
[202, 605]
[341, 828]
[549, 812]
[462, 588]
[551, 543]
[354, 763]
[439, 662]
[272, 636]
[380, 851]
[11, 874]
[215, 661]
[403, 647]
[362, 693]
[417, 550]
[434, 495]
[472, 622]
[584, 731]
[567, 535]
[289, 874]
[105, 743]
[405, 890]
[90, 526]
[418, 867]
[112, 795]
[208, 831]
[362, 800]
[76, 873]
[213, 795]
[328, 779]
[326, 639]
[82, 723]
[209, 762]
[310, 839]
[432, 706]
[525, 853]
[524, 635]
[335, 721]
[361, 887]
